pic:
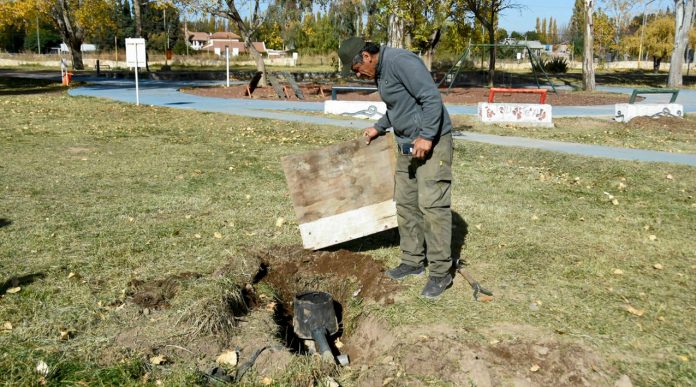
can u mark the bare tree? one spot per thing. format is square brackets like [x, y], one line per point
[588, 71]
[487, 13]
[684, 10]
[247, 28]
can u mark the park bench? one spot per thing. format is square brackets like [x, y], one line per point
[493, 90]
[636, 92]
[336, 89]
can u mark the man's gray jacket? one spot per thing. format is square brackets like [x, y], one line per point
[414, 104]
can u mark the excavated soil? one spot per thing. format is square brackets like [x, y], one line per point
[670, 124]
[514, 355]
[157, 293]
[457, 95]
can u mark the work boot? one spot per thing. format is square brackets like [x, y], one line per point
[436, 286]
[403, 270]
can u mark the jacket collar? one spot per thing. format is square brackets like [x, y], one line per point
[380, 62]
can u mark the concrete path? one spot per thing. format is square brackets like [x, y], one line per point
[165, 93]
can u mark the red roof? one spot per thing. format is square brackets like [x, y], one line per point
[260, 46]
[224, 35]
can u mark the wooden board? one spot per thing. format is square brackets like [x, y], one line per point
[276, 86]
[344, 191]
[291, 80]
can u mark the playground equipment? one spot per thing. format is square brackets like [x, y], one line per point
[520, 114]
[451, 76]
[624, 112]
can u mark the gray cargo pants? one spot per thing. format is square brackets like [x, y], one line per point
[423, 198]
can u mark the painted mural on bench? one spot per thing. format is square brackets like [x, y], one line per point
[521, 114]
[369, 110]
[624, 112]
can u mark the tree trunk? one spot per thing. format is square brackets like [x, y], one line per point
[656, 64]
[137, 14]
[684, 10]
[429, 52]
[588, 71]
[72, 34]
[245, 31]
[258, 58]
[396, 31]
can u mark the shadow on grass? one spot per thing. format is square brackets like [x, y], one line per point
[5, 222]
[20, 281]
[390, 238]
[28, 86]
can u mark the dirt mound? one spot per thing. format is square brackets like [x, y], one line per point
[671, 124]
[456, 95]
[344, 274]
[519, 355]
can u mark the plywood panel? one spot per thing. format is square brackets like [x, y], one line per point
[350, 178]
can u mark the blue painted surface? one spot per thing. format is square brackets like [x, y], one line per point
[165, 93]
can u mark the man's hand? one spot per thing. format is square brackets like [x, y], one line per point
[421, 147]
[370, 134]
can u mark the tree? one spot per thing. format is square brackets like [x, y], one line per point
[658, 40]
[588, 72]
[603, 33]
[487, 13]
[684, 16]
[247, 28]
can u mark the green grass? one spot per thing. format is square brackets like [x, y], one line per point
[672, 137]
[114, 192]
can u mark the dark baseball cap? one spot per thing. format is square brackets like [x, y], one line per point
[348, 49]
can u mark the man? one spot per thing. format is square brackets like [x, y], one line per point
[423, 170]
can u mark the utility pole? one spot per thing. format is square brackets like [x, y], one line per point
[642, 32]
[38, 35]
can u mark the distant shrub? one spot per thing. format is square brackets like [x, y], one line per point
[555, 65]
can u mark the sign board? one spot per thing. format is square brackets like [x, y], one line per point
[339, 194]
[135, 52]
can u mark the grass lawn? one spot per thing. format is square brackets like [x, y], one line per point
[664, 134]
[592, 261]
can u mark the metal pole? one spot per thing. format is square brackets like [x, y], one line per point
[137, 92]
[166, 43]
[642, 32]
[116, 54]
[38, 35]
[227, 56]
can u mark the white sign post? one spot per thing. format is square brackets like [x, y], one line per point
[135, 57]
[227, 59]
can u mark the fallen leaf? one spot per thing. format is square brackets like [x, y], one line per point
[534, 217]
[618, 271]
[534, 368]
[228, 358]
[271, 306]
[13, 290]
[198, 236]
[280, 222]
[652, 237]
[622, 186]
[660, 318]
[248, 197]
[266, 381]
[485, 298]
[338, 343]
[65, 334]
[634, 311]
[7, 326]
[614, 202]
[669, 177]
[493, 342]
[478, 226]
[71, 274]
[158, 360]
[387, 381]
[217, 235]
[683, 358]
[658, 266]
[646, 227]
[42, 368]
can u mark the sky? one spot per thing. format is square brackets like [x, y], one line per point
[525, 19]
